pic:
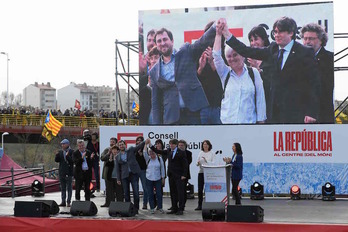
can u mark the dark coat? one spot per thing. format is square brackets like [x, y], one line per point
[325, 60]
[77, 158]
[237, 167]
[65, 165]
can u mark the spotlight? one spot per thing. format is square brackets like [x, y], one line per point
[37, 189]
[328, 192]
[295, 192]
[256, 191]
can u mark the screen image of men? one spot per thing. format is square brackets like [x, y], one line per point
[177, 94]
[66, 164]
[83, 170]
[295, 87]
[314, 36]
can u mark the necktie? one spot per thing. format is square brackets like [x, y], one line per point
[280, 58]
[173, 154]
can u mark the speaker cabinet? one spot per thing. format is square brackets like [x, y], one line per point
[31, 209]
[83, 208]
[121, 209]
[213, 211]
[244, 213]
[54, 208]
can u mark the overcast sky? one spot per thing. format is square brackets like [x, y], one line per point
[74, 40]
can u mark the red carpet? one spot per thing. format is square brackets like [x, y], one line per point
[14, 224]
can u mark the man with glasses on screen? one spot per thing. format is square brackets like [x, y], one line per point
[313, 35]
[177, 94]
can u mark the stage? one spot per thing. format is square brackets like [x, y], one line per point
[281, 214]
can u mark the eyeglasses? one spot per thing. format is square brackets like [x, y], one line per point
[309, 38]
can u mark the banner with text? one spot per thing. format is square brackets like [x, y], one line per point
[277, 156]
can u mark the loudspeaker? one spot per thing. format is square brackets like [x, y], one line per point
[83, 208]
[54, 208]
[122, 209]
[31, 209]
[213, 211]
[244, 213]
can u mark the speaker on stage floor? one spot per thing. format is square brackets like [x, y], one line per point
[83, 208]
[244, 213]
[54, 208]
[122, 209]
[31, 209]
[213, 211]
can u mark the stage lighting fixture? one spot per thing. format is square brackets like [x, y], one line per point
[295, 192]
[256, 191]
[37, 189]
[328, 192]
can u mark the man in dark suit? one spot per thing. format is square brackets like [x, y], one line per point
[314, 36]
[66, 165]
[295, 87]
[128, 170]
[83, 170]
[177, 173]
[177, 94]
[182, 145]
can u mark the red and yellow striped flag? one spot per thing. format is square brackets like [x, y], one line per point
[52, 124]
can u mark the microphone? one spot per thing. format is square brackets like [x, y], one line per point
[217, 152]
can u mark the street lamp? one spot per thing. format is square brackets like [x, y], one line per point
[8, 62]
[2, 140]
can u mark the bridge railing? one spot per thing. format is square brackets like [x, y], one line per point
[67, 121]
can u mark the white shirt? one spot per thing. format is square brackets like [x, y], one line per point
[238, 105]
[286, 53]
[209, 156]
[155, 169]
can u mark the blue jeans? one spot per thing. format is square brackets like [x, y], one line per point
[210, 115]
[188, 117]
[133, 179]
[66, 186]
[158, 185]
[143, 184]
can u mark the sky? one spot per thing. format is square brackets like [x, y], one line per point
[74, 40]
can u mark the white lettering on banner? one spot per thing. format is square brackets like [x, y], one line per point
[268, 150]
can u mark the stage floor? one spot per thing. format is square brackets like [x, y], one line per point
[276, 210]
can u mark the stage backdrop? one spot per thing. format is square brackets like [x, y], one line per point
[276, 156]
[187, 25]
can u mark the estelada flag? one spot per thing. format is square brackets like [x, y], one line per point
[135, 107]
[47, 134]
[77, 104]
[52, 124]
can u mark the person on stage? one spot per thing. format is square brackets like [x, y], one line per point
[237, 169]
[205, 157]
[66, 164]
[83, 160]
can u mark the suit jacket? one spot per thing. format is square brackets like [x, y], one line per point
[189, 161]
[122, 170]
[165, 94]
[77, 158]
[326, 70]
[237, 168]
[295, 90]
[178, 166]
[65, 165]
[105, 157]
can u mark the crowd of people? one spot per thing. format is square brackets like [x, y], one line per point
[28, 110]
[220, 80]
[150, 163]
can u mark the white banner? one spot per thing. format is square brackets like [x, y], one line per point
[277, 156]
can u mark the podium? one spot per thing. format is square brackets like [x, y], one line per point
[217, 183]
